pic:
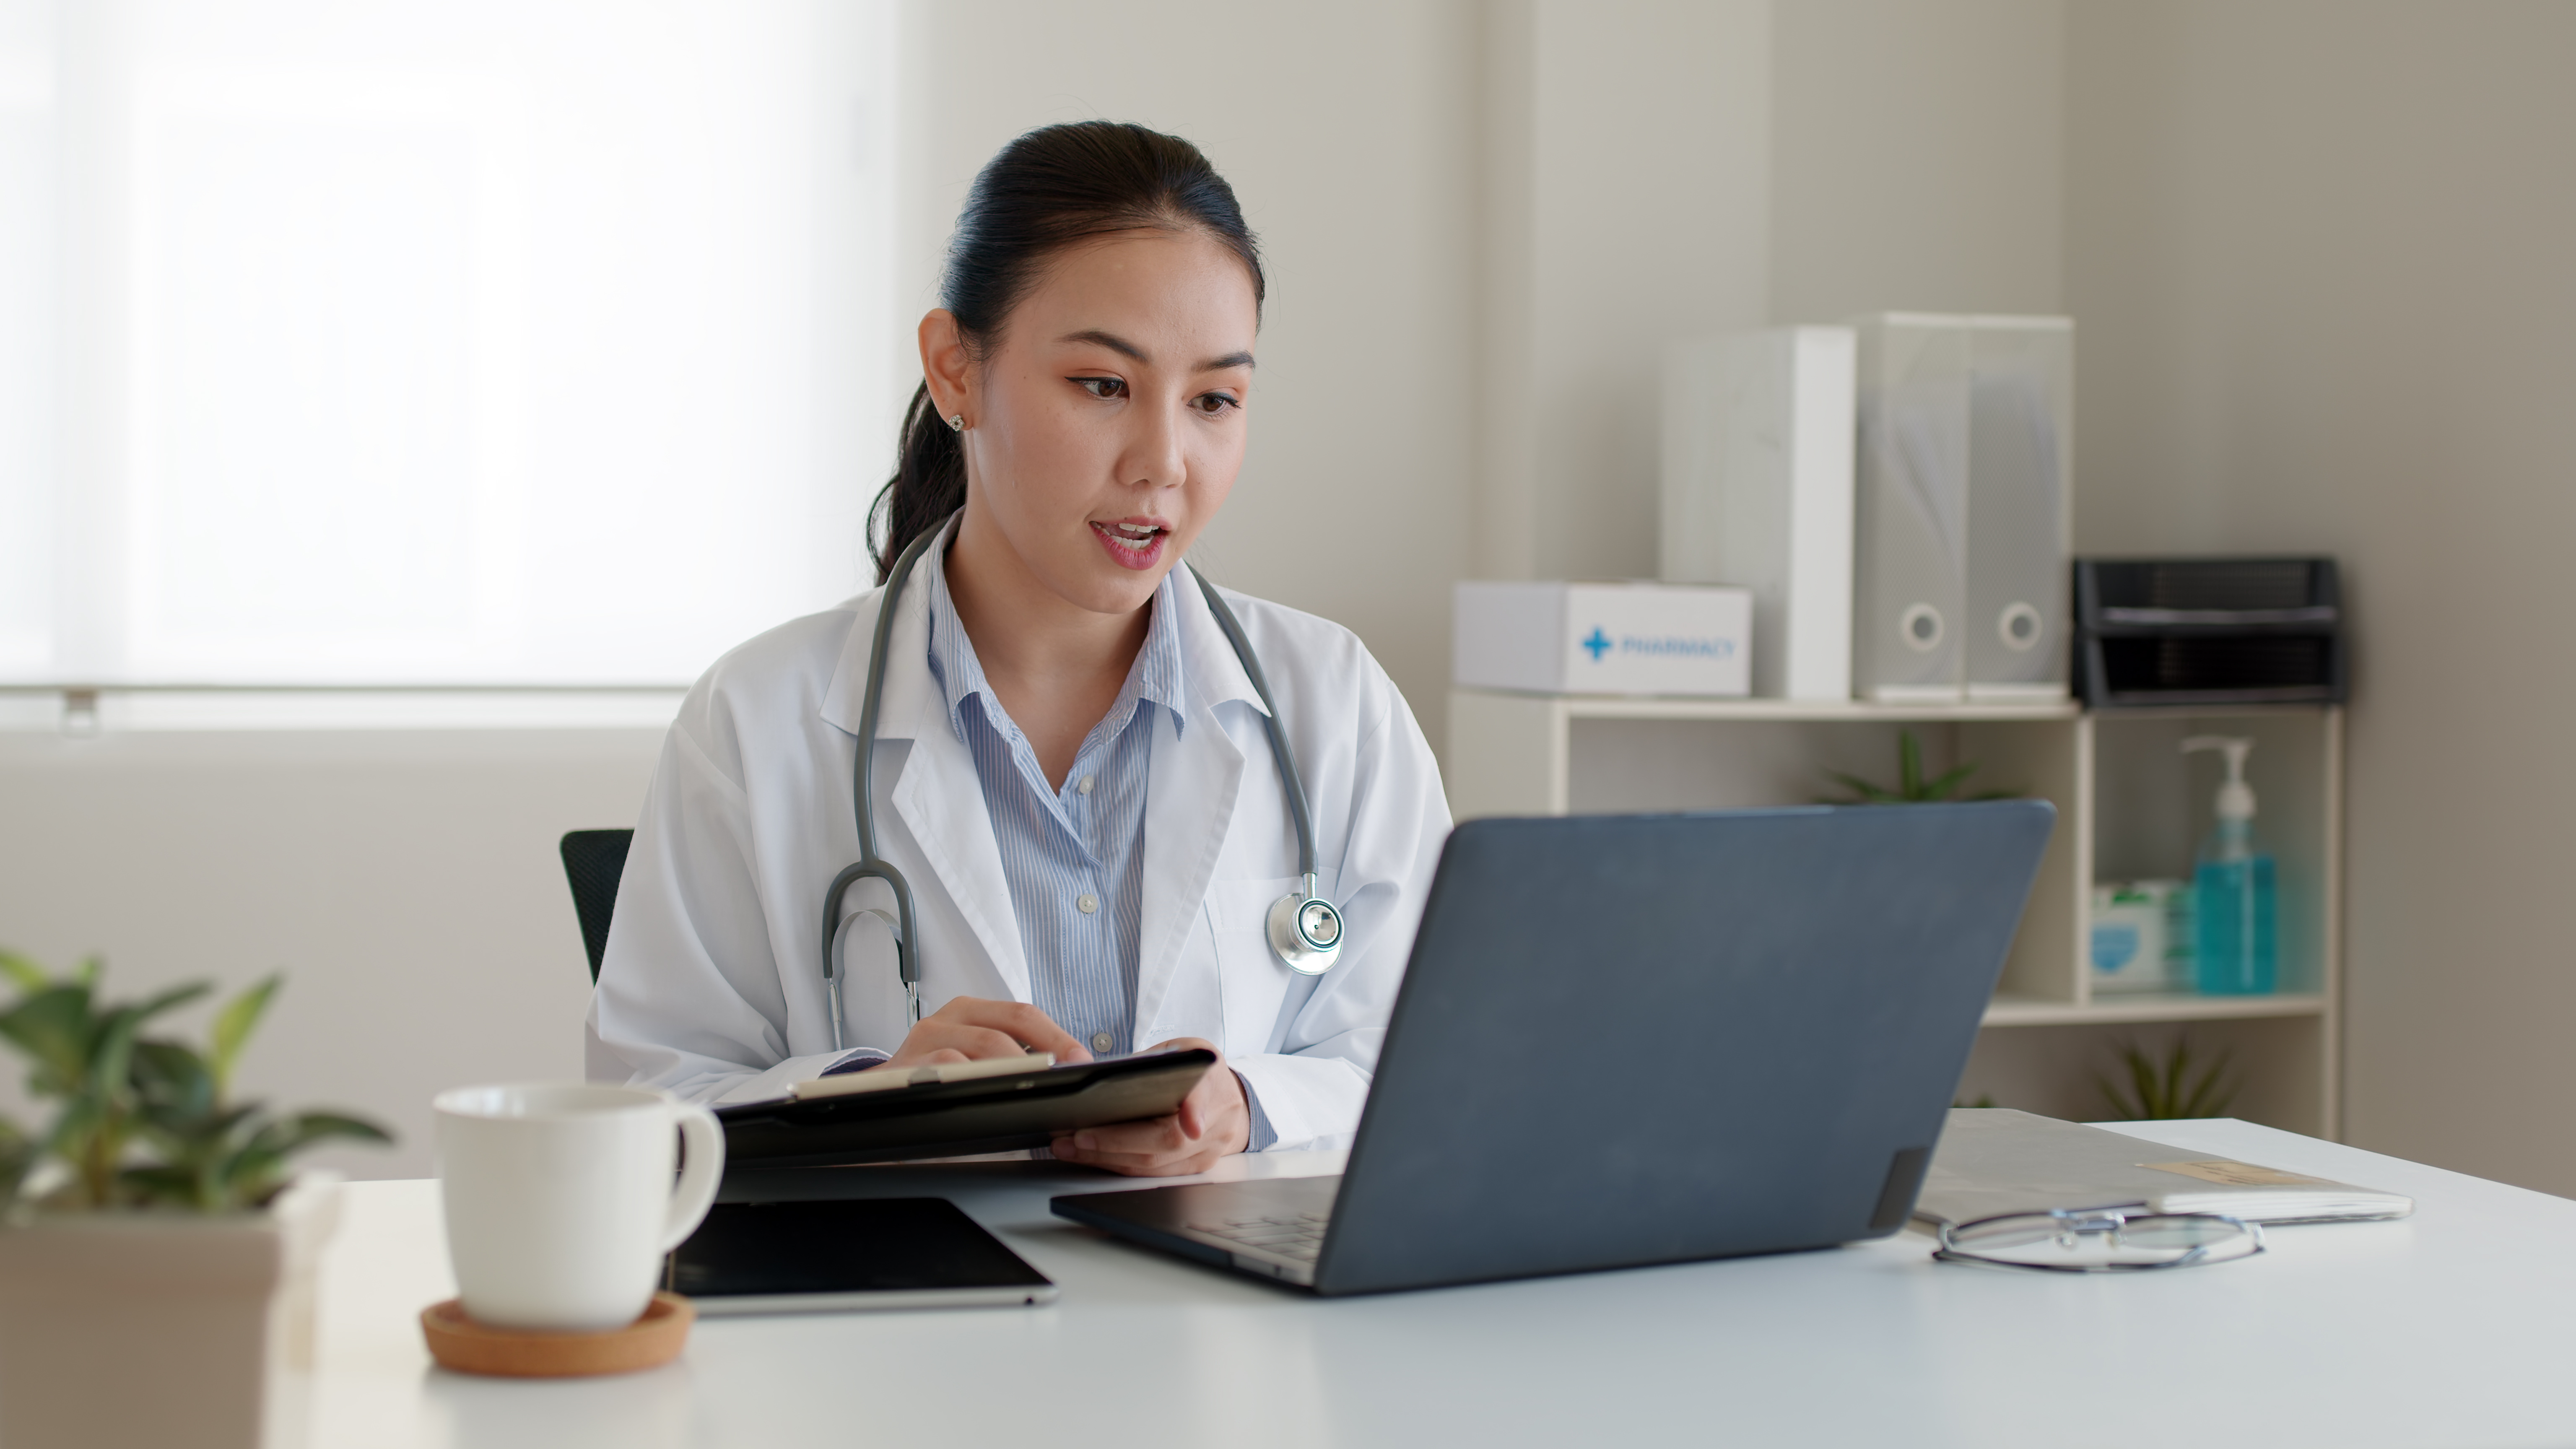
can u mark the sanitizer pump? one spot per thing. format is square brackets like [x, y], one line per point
[2232, 889]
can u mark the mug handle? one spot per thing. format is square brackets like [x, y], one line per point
[703, 1138]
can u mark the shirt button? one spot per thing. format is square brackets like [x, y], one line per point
[1083, 786]
[1100, 1041]
[1086, 903]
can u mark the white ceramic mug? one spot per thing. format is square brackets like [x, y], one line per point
[560, 1201]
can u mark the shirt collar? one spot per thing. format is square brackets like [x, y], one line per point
[1154, 678]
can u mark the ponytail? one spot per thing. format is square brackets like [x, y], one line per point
[929, 482]
[1053, 188]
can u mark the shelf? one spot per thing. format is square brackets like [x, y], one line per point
[2031, 1011]
[2207, 711]
[1791, 711]
[2128, 806]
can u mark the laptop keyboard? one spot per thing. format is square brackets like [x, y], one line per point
[1297, 1236]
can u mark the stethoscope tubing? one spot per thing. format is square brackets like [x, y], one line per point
[863, 778]
[1289, 779]
[872, 866]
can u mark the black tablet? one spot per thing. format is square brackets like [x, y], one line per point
[830, 1257]
[954, 1111]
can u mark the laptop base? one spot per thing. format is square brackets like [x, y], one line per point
[1270, 1228]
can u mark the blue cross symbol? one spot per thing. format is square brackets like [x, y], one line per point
[1599, 643]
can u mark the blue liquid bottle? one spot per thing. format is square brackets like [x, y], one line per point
[2233, 898]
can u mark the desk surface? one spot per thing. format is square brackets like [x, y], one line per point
[2447, 1329]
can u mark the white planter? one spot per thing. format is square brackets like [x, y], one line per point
[147, 1330]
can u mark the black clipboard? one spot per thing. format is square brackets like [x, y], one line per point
[931, 1118]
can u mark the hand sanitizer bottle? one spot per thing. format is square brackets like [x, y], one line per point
[2232, 894]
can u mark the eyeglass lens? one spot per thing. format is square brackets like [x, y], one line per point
[2103, 1241]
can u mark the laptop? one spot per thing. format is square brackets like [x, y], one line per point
[1638, 1039]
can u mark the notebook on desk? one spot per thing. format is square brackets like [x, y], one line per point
[1994, 1161]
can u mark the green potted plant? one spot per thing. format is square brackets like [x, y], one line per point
[1912, 787]
[156, 1251]
[2166, 1088]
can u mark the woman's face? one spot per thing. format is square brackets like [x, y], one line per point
[1105, 425]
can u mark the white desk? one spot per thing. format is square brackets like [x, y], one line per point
[2450, 1329]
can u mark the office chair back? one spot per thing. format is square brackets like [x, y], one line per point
[594, 861]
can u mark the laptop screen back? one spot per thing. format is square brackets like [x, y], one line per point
[1641, 1039]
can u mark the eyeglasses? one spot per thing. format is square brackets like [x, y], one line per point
[2099, 1240]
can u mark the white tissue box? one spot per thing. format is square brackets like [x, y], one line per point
[1604, 638]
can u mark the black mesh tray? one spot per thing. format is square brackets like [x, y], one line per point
[2208, 631]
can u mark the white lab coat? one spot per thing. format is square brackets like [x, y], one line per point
[713, 986]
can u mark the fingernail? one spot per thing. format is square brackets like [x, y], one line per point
[1085, 1141]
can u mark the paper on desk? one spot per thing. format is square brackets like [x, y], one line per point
[1994, 1161]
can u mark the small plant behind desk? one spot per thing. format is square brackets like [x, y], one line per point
[2177, 1084]
[140, 1121]
[1912, 788]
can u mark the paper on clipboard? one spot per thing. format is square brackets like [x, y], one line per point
[889, 1079]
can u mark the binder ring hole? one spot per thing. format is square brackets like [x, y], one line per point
[1920, 627]
[2019, 628]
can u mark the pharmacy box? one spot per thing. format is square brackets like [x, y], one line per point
[1560, 637]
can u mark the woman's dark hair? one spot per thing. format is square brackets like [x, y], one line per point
[1053, 188]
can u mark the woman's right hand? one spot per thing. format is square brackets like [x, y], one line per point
[971, 1029]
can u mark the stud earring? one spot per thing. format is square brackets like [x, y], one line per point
[957, 422]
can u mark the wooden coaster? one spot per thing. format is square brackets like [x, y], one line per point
[460, 1343]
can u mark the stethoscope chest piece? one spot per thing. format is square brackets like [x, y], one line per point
[1306, 931]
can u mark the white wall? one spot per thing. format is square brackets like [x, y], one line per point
[2320, 250]
[1482, 222]
[1347, 132]
[1917, 157]
[406, 883]
[2317, 251]
[1626, 164]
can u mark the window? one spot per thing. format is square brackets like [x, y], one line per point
[355, 343]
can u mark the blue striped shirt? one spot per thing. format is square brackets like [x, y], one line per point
[1074, 857]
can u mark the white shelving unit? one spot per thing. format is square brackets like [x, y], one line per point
[2129, 804]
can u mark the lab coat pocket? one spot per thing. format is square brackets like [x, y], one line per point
[1255, 979]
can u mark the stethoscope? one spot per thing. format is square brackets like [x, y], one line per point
[1304, 928]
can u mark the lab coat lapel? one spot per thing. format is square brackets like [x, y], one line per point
[939, 798]
[1190, 795]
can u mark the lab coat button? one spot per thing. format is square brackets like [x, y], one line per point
[1100, 1041]
[1087, 903]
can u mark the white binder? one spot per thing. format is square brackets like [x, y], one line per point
[1961, 518]
[1757, 492]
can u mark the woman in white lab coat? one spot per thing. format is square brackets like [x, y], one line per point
[1070, 767]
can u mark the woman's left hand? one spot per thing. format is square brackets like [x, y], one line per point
[1214, 1122]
